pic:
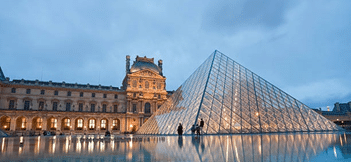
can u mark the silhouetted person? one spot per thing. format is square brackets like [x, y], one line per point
[197, 129]
[180, 129]
[202, 123]
[107, 134]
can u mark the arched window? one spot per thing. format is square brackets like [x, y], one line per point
[147, 108]
[79, 124]
[146, 84]
[103, 124]
[92, 124]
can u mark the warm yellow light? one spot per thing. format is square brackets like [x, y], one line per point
[257, 114]
[5, 126]
[131, 125]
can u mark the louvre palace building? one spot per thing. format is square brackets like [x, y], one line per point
[33, 106]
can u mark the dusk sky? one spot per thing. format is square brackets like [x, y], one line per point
[302, 47]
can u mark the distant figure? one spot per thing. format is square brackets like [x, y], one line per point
[107, 134]
[202, 123]
[197, 129]
[180, 129]
[193, 129]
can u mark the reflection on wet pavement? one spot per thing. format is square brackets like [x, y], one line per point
[256, 147]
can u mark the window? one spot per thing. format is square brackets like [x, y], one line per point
[104, 107]
[158, 85]
[68, 106]
[53, 124]
[13, 90]
[134, 83]
[26, 105]
[41, 105]
[93, 95]
[80, 123]
[115, 107]
[23, 124]
[147, 108]
[158, 106]
[103, 124]
[69, 93]
[105, 95]
[42, 92]
[56, 93]
[80, 107]
[39, 123]
[54, 106]
[146, 84]
[116, 96]
[92, 124]
[134, 94]
[12, 104]
[81, 94]
[134, 108]
[92, 107]
[159, 96]
[67, 123]
[115, 124]
[28, 91]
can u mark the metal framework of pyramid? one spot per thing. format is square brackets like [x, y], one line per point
[232, 99]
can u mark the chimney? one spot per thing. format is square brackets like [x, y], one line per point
[127, 64]
[328, 108]
[160, 66]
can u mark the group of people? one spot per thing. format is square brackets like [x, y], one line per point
[195, 128]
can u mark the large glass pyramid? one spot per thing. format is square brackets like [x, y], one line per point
[232, 99]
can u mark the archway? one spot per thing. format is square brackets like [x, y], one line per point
[5, 123]
[37, 123]
[79, 124]
[103, 124]
[66, 124]
[52, 123]
[21, 123]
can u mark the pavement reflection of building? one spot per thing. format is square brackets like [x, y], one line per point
[265, 147]
[340, 115]
[71, 108]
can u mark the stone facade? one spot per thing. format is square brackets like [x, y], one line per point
[28, 106]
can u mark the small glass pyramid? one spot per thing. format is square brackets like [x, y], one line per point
[232, 99]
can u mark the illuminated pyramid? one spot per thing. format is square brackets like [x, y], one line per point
[232, 99]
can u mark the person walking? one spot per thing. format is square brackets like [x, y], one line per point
[180, 129]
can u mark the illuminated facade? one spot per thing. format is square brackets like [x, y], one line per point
[232, 99]
[34, 106]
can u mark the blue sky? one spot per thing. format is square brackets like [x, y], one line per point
[302, 47]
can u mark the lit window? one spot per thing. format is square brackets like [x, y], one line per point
[115, 124]
[91, 124]
[53, 123]
[103, 124]
[39, 123]
[80, 123]
[23, 123]
[67, 122]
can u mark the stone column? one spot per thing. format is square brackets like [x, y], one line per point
[13, 124]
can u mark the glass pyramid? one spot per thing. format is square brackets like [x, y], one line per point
[232, 99]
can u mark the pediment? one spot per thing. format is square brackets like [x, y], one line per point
[146, 73]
